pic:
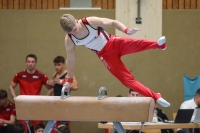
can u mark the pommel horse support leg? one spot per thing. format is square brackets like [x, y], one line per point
[79, 108]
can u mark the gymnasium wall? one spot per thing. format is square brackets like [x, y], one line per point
[150, 12]
[39, 32]
[103, 4]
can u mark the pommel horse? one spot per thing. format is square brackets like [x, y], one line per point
[80, 108]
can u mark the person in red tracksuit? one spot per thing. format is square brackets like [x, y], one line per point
[89, 32]
[7, 113]
[30, 82]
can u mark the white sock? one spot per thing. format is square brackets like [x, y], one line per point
[164, 48]
[163, 102]
[161, 41]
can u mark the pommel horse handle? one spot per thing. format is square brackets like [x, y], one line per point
[63, 96]
[100, 97]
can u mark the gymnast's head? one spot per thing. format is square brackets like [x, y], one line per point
[197, 98]
[39, 128]
[31, 61]
[59, 63]
[63, 128]
[68, 23]
[3, 98]
[19, 128]
[133, 93]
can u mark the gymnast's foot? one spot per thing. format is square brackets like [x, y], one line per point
[161, 42]
[163, 102]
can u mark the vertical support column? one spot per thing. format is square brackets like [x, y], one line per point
[49, 127]
[27, 123]
[119, 127]
[150, 12]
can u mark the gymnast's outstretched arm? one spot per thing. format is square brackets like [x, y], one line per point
[70, 61]
[110, 23]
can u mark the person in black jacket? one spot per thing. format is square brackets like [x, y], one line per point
[163, 117]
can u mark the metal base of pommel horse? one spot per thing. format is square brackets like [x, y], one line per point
[119, 128]
[117, 125]
[51, 124]
[50, 102]
[48, 128]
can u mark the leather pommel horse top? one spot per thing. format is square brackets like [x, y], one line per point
[80, 108]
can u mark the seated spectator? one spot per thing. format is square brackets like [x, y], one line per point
[39, 128]
[191, 104]
[63, 128]
[7, 113]
[133, 93]
[19, 128]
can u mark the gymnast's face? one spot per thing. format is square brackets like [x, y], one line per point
[197, 99]
[75, 29]
[3, 102]
[30, 63]
[59, 67]
[40, 130]
[134, 94]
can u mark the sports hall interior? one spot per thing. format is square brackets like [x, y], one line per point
[32, 26]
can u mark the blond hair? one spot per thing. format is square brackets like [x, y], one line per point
[67, 22]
